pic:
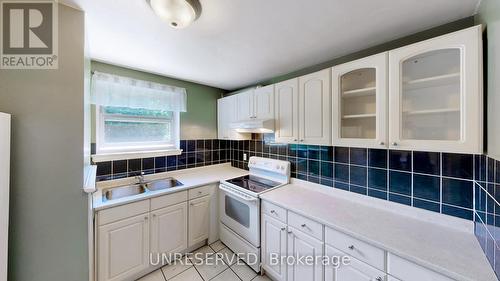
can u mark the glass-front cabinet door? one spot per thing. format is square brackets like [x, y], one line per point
[435, 95]
[359, 102]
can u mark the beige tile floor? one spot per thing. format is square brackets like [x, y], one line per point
[229, 270]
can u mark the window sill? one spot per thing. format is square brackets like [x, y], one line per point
[96, 158]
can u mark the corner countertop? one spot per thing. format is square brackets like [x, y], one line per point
[190, 178]
[439, 242]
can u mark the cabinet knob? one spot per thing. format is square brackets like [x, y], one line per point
[200, 192]
[395, 143]
[146, 218]
[283, 229]
[379, 278]
[303, 225]
[154, 215]
[273, 211]
[289, 232]
[382, 143]
[302, 140]
[294, 139]
[351, 247]
[192, 204]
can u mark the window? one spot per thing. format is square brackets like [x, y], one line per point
[122, 129]
[135, 116]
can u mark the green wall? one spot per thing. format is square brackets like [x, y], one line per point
[200, 120]
[489, 16]
[48, 209]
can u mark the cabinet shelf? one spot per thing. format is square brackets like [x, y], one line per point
[433, 81]
[357, 116]
[432, 111]
[359, 92]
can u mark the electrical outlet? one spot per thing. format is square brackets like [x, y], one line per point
[244, 157]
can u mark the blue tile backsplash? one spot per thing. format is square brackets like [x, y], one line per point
[196, 153]
[487, 208]
[439, 182]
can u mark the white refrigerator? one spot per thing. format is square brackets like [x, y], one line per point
[4, 191]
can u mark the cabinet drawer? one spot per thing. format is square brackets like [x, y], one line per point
[122, 212]
[200, 191]
[168, 200]
[408, 271]
[356, 248]
[274, 211]
[306, 225]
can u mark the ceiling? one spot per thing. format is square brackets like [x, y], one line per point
[237, 43]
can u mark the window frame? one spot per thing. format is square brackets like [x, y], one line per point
[103, 148]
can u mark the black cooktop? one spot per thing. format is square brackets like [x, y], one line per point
[253, 183]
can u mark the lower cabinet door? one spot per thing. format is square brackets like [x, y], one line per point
[169, 231]
[305, 246]
[123, 248]
[273, 247]
[199, 214]
[354, 270]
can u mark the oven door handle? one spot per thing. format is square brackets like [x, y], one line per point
[249, 199]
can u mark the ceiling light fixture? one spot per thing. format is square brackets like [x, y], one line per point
[178, 13]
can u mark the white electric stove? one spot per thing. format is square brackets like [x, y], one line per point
[239, 206]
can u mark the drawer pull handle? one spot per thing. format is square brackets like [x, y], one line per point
[273, 211]
[200, 192]
[145, 218]
[283, 229]
[289, 232]
[303, 225]
[379, 278]
[351, 247]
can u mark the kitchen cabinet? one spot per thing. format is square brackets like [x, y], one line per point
[245, 105]
[359, 107]
[355, 270]
[123, 248]
[303, 109]
[227, 114]
[408, 271]
[273, 243]
[264, 102]
[166, 239]
[256, 104]
[127, 234]
[307, 237]
[301, 244]
[199, 215]
[315, 108]
[286, 111]
[435, 94]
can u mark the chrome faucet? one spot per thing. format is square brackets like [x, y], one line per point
[140, 178]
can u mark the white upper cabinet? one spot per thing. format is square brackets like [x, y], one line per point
[286, 111]
[359, 106]
[226, 114]
[436, 95]
[302, 109]
[264, 102]
[245, 105]
[315, 108]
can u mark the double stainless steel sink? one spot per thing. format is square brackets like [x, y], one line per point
[130, 190]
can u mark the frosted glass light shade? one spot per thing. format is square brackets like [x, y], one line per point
[178, 13]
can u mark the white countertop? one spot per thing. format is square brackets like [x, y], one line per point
[439, 242]
[190, 178]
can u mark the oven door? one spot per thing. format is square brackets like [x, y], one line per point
[241, 213]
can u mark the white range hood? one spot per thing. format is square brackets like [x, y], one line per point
[253, 126]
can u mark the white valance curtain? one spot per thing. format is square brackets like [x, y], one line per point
[119, 91]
